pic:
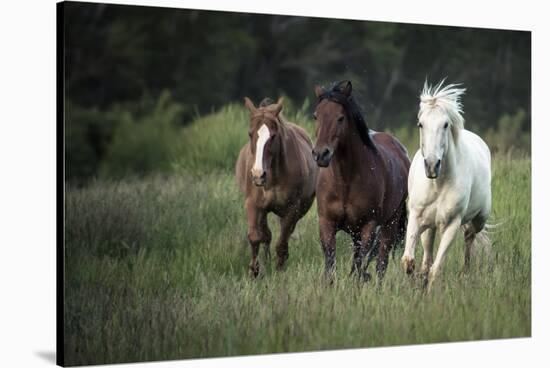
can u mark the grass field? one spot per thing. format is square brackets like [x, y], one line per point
[156, 268]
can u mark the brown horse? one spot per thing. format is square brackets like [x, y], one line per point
[277, 174]
[362, 186]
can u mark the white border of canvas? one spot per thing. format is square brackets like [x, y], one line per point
[27, 181]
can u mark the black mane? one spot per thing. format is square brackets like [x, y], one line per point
[266, 102]
[336, 94]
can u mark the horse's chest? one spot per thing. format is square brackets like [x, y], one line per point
[358, 212]
[278, 199]
[348, 209]
[441, 209]
[270, 198]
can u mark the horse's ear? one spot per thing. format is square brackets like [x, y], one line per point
[319, 90]
[249, 105]
[345, 87]
[279, 106]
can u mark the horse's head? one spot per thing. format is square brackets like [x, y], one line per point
[434, 140]
[440, 121]
[264, 142]
[331, 121]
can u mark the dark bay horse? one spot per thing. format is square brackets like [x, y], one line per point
[362, 184]
[276, 172]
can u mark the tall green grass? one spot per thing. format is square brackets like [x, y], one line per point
[156, 268]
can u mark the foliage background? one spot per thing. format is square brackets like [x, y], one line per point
[136, 75]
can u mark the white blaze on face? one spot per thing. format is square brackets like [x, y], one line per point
[263, 136]
[433, 135]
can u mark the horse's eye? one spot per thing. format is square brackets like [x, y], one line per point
[314, 117]
[419, 125]
[446, 125]
[341, 119]
[250, 134]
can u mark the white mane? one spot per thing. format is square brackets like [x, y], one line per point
[447, 99]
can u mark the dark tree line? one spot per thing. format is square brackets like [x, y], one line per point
[120, 55]
[117, 54]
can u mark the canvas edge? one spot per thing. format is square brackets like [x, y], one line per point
[60, 174]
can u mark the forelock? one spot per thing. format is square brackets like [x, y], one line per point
[446, 98]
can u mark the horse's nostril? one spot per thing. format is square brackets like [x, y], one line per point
[263, 175]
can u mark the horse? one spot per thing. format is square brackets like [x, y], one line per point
[277, 174]
[449, 181]
[361, 187]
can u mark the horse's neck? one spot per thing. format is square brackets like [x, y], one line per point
[351, 155]
[279, 165]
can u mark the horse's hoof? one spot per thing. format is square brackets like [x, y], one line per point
[464, 271]
[281, 262]
[360, 275]
[408, 265]
[366, 277]
[424, 280]
[329, 278]
[254, 271]
[429, 281]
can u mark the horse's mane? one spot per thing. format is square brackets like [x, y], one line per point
[446, 98]
[269, 105]
[336, 94]
[266, 102]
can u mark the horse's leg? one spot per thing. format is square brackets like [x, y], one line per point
[447, 235]
[362, 244]
[267, 239]
[469, 237]
[427, 239]
[327, 232]
[257, 225]
[267, 252]
[267, 242]
[358, 253]
[411, 239]
[388, 236]
[288, 224]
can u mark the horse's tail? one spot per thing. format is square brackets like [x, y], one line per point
[483, 241]
[401, 229]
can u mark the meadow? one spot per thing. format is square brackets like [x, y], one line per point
[156, 267]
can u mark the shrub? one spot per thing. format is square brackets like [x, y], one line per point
[145, 144]
[509, 135]
[87, 135]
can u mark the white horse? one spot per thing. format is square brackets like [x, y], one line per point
[449, 181]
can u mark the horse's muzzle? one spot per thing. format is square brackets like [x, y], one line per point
[432, 168]
[259, 180]
[322, 156]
